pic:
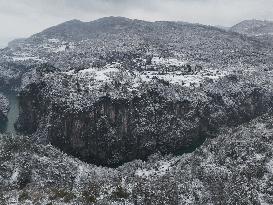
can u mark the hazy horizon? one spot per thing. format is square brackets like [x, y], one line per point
[22, 18]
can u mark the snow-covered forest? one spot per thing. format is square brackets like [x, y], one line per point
[121, 111]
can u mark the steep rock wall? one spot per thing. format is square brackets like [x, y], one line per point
[113, 131]
[4, 107]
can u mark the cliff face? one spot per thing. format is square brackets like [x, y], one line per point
[115, 130]
[4, 107]
[30, 108]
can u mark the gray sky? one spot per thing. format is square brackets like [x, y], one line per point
[21, 18]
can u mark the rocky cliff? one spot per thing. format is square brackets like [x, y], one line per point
[112, 128]
[4, 108]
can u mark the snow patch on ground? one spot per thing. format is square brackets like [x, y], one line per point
[168, 61]
[176, 77]
[59, 49]
[270, 166]
[25, 58]
[161, 170]
[14, 176]
[102, 75]
[53, 40]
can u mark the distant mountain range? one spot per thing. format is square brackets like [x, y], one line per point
[78, 30]
[111, 34]
[254, 27]
[261, 30]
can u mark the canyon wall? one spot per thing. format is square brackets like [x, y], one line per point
[4, 107]
[112, 131]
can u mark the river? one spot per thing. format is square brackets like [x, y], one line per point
[12, 114]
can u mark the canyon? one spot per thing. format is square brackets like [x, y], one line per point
[122, 111]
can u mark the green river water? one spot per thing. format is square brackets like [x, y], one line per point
[13, 113]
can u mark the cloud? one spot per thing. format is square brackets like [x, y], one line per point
[21, 18]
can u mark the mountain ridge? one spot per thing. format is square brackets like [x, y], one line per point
[254, 27]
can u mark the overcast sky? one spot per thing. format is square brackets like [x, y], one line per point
[22, 18]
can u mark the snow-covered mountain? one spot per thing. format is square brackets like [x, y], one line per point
[106, 71]
[254, 27]
[116, 92]
[261, 30]
[135, 44]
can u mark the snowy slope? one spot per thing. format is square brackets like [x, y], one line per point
[231, 168]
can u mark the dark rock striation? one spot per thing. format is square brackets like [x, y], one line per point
[4, 105]
[4, 108]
